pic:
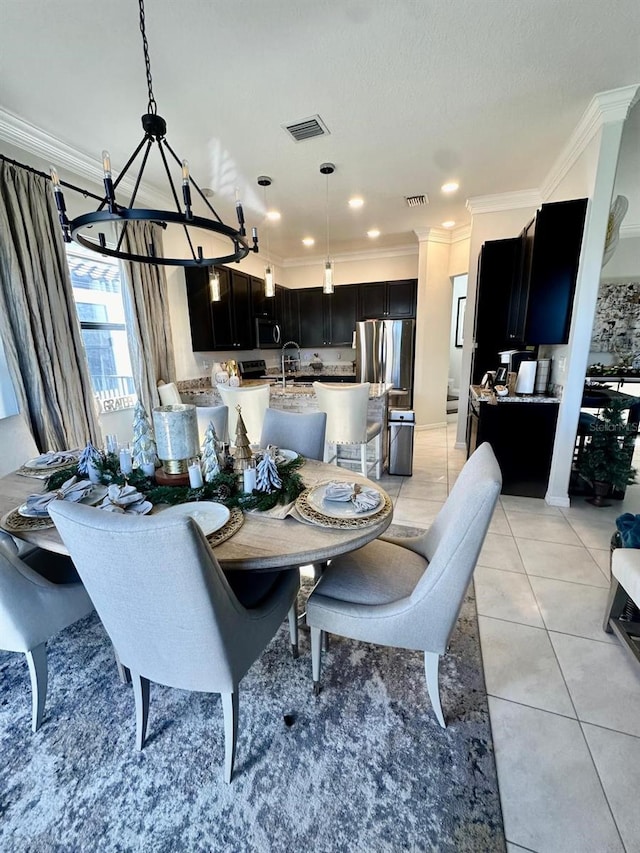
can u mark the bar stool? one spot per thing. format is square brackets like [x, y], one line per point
[254, 401]
[347, 424]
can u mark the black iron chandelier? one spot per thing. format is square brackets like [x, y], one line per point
[85, 229]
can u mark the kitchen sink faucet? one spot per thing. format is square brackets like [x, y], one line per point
[288, 360]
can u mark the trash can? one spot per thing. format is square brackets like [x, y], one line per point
[401, 425]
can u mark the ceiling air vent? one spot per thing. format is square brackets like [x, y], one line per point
[416, 200]
[307, 128]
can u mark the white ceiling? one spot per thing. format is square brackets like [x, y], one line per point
[414, 93]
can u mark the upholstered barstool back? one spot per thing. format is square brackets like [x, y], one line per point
[169, 394]
[17, 442]
[254, 401]
[346, 408]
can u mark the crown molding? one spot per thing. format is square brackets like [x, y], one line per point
[627, 231]
[503, 201]
[364, 255]
[27, 137]
[463, 232]
[604, 108]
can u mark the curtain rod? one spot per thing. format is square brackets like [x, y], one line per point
[85, 193]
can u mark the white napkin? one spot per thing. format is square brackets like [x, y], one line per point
[56, 457]
[337, 491]
[362, 497]
[366, 499]
[125, 499]
[72, 490]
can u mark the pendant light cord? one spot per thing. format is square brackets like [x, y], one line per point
[152, 107]
[327, 206]
[266, 226]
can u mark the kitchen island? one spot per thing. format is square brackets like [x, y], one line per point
[295, 397]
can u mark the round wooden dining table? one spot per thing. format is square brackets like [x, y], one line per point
[262, 543]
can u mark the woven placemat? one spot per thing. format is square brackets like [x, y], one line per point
[308, 513]
[236, 520]
[39, 473]
[18, 523]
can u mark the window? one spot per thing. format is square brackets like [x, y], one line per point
[97, 290]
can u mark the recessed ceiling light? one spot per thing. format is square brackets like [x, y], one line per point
[308, 241]
[356, 202]
[374, 232]
[274, 215]
[448, 224]
[450, 187]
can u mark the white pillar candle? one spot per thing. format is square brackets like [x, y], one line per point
[249, 478]
[195, 475]
[148, 469]
[126, 465]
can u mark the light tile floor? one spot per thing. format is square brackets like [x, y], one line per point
[563, 697]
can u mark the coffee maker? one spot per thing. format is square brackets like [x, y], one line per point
[512, 361]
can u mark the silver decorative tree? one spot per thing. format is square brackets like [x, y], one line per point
[144, 449]
[267, 477]
[210, 463]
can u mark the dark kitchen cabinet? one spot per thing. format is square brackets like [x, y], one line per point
[499, 267]
[341, 314]
[392, 300]
[286, 313]
[311, 317]
[263, 306]
[522, 436]
[224, 325]
[326, 319]
[550, 270]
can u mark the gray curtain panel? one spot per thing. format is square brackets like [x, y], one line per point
[38, 320]
[147, 312]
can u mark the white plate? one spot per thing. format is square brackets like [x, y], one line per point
[338, 509]
[43, 466]
[287, 455]
[94, 497]
[208, 515]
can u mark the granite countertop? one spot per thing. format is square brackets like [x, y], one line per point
[483, 395]
[203, 388]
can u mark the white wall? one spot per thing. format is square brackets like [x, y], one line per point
[625, 261]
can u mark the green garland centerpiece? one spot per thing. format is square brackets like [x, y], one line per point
[223, 488]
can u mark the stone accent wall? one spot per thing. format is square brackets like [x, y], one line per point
[616, 327]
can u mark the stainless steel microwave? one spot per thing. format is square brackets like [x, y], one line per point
[268, 334]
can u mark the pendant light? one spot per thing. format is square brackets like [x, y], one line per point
[214, 285]
[327, 281]
[269, 284]
[111, 212]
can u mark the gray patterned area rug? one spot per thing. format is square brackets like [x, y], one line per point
[363, 767]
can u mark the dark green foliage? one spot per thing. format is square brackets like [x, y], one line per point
[607, 456]
[223, 489]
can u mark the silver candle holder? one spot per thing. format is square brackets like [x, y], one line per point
[176, 433]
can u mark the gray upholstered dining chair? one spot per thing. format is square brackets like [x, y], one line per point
[407, 593]
[301, 432]
[168, 609]
[33, 608]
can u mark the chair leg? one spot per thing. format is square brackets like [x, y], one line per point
[316, 656]
[293, 627]
[615, 604]
[230, 711]
[37, 660]
[379, 456]
[141, 696]
[363, 459]
[123, 672]
[431, 663]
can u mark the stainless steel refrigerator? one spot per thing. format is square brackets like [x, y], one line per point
[385, 353]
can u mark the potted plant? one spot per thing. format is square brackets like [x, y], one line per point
[606, 461]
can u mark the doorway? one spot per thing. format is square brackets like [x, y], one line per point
[458, 303]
